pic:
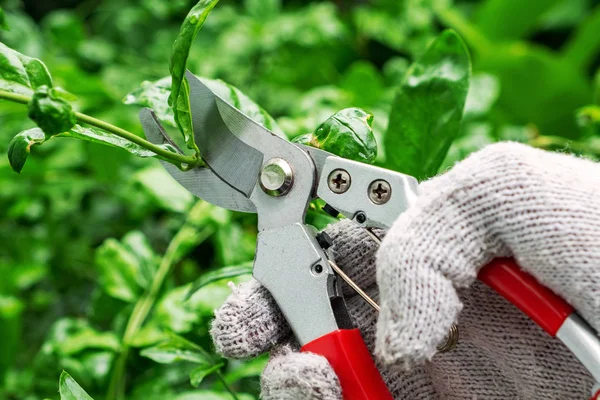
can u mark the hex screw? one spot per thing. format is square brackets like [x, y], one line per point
[380, 191]
[339, 181]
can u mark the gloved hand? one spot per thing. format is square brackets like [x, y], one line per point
[506, 200]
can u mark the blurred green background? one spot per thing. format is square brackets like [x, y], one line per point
[84, 228]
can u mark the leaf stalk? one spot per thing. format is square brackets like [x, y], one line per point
[180, 160]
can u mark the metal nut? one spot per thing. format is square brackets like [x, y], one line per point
[339, 181]
[380, 191]
[276, 177]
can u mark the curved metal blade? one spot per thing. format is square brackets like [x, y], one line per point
[225, 137]
[202, 182]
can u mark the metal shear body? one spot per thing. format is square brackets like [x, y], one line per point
[251, 169]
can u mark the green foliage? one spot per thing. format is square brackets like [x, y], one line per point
[178, 99]
[428, 108]
[70, 390]
[21, 74]
[347, 133]
[155, 95]
[20, 147]
[78, 207]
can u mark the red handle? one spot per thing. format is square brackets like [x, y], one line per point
[360, 380]
[538, 302]
[348, 355]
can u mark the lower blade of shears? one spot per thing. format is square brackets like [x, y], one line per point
[224, 136]
[201, 182]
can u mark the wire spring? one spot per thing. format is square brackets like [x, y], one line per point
[453, 333]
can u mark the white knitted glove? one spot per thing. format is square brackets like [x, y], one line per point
[541, 208]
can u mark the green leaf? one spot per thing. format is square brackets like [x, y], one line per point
[154, 95]
[177, 349]
[70, 390]
[174, 314]
[218, 274]
[178, 99]
[428, 108]
[20, 147]
[198, 374]
[119, 269]
[21, 74]
[3, 23]
[99, 136]
[347, 133]
[50, 112]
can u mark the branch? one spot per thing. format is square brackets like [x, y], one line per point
[174, 158]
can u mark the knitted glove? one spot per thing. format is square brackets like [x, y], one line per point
[541, 208]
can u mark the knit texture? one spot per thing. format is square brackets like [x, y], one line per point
[508, 199]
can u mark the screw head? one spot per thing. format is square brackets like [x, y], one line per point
[360, 217]
[317, 269]
[339, 181]
[276, 177]
[380, 191]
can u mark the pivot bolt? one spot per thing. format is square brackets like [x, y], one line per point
[276, 177]
[339, 181]
[380, 191]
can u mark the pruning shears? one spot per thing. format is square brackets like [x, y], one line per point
[250, 169]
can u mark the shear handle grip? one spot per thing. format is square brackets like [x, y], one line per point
[347, 353]
[542, 305]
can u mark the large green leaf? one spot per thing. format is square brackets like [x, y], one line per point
[178, 99]
[21, 74]
[347, 133]
[428, 108]
[69, 389]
